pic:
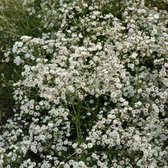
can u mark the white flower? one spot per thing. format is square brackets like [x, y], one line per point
[165, 81]
[50, 125]
[71, 89]
[134, 55]
[95, 58]
[18, 60]
[137, 138]
[90, 145]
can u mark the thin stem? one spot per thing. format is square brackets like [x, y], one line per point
[77, 121]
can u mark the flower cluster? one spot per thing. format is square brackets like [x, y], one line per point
[93, 90]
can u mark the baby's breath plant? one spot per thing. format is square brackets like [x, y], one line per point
[92, 90]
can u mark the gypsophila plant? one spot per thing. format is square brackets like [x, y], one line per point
[93, 87]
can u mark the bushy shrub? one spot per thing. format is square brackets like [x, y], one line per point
[93, 90]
